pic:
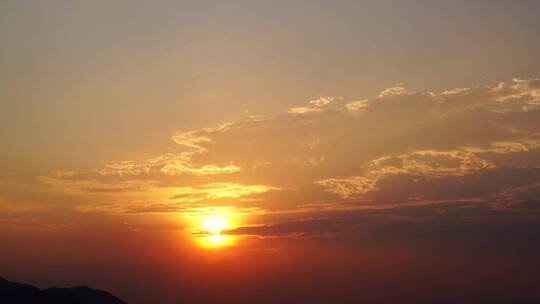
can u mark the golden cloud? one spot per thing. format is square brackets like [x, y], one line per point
[344, 149]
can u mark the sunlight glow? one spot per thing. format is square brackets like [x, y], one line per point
[215, 224]
[209, 224]
[215, 241]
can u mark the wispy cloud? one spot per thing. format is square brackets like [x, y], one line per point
[398, 147]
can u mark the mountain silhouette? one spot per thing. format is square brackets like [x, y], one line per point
[17, 293]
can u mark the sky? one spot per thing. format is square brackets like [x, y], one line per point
[272, 151]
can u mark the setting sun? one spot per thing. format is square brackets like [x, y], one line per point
[215, 224]
[212, 228]
[209, 226]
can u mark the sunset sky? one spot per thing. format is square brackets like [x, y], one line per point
[272, 151]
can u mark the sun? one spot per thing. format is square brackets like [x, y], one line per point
[210, 227]
[215, 224]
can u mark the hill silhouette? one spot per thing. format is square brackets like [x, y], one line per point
[17, 293]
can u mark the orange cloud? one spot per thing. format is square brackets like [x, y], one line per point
[343, 151]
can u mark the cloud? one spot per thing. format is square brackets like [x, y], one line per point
[316, 105]
[455, 92]
[393, 91]
[355, 106]
[350, 186]
[190, 139]
[399, 147]
[218, 191]
[525, 92]
[82, 184]
[393, 221]
[178, 164]
[322, 101]
[168, 164]
[304, 110]
[426, 164]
